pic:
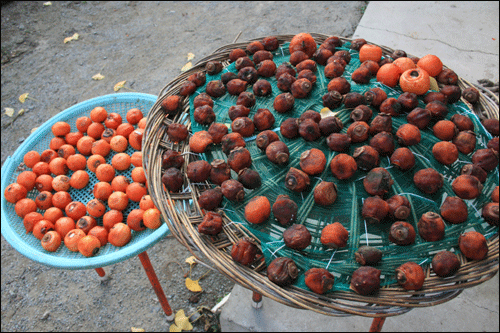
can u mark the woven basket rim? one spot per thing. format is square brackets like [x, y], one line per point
[176, 210]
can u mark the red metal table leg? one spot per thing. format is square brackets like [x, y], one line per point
[100, 271]
[256, 300]
[377, 324]
[150, 272]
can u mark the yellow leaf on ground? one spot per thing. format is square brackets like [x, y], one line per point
[137, 329]
[182, 321]
[187, 66]
[119, 85]
[23, 97]
[34, 129]
[9, 112]
[190, 56]
[98, 77]
[69, 39]
[21, 112]
[193, 285]
[191, 260]
[174, 328]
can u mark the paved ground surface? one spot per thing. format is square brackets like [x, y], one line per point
[146, 44]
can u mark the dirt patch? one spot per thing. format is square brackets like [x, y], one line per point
[146, 44]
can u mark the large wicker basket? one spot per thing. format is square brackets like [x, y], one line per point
[182, 215]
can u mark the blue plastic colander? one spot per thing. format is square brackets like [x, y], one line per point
[12, 225]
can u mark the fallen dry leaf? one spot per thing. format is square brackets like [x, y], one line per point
[434, 85]
[98, 77]
[187, 66]
[69, 39]
[21, 112]
[23, 97]
[193, 285]
[182, 321]
[137, 329]
[34, 129]
[9, 112]
[190, 56]
[119, 85]
[174, 328]
[326, 112]
[191, 260]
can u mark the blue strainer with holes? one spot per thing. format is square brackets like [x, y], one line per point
[12, 225]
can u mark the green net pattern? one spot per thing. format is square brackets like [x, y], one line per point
[351, 193]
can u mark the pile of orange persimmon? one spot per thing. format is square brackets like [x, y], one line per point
[411, 73]
[82, 151]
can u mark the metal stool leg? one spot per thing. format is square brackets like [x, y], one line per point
[256, 300]
[377, 324]
[100, 271]
[150, 272]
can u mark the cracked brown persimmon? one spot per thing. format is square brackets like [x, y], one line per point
[431, 227]
[312, 161]
[366, 157]
[473, 245]
[403, 158]
[277, 152]
[445, 152]
[219, 171]
[244, 251]
[402, 233]
[343, 166]
[368, 255]
[297, 237]
[233, 190]
[282, 271]
[365, 280]
[249, 178]
[211, 224]
[296, 180]
[428, 180]
[198, 171]
[378, 181]
[319, 280]
[263, 119]
[284, 209]
[445, 263]
[325, 193]
[467, 187]
[408, 135]
[410, 276]
[210, 199]
[374, 209]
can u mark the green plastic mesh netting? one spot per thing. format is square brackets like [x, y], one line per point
[351, 193]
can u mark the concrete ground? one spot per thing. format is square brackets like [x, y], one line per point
[465, 36]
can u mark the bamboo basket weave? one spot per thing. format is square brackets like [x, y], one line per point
[182, 215]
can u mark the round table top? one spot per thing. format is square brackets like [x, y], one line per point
[12, 225]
